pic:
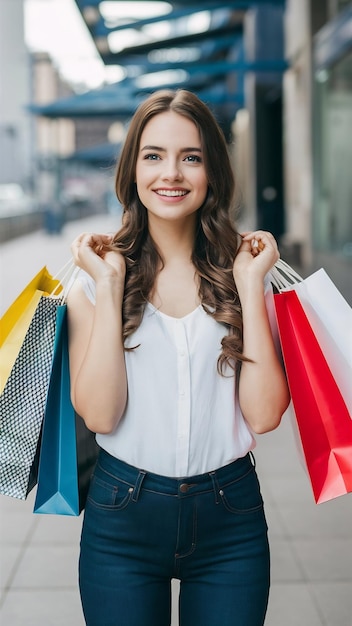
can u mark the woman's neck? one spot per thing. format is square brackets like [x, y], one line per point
[174, 240]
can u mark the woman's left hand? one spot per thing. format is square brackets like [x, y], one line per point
[256, 255]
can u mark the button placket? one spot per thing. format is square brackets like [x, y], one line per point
[184, 403]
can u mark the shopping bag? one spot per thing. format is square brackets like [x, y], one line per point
[22, 399]
[68, 449]
[330, 317]
[322, 415]
[16, 320]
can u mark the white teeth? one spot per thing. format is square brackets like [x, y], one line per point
[169, 192]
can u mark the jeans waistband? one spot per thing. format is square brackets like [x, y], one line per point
[183, 486]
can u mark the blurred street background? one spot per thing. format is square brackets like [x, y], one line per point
[278, 76]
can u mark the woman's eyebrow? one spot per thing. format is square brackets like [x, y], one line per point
[160, 149]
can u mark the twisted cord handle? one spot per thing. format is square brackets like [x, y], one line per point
[65, 280]
[283, 276]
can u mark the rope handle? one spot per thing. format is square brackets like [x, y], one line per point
[283, 276]
[65, 280]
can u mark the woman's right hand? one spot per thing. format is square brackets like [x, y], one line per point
[92, 252]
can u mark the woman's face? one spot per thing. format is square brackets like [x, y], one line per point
[170, 172]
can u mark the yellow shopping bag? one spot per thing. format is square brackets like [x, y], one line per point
[16, 320]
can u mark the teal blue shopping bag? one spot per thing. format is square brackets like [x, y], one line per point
[68, 449]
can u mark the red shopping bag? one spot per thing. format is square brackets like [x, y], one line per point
[323, 419]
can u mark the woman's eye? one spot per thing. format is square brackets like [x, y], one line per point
[151, 157]
[193, 158]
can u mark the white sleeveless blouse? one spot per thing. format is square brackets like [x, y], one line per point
[182, 417]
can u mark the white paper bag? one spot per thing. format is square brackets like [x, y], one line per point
[330, 317]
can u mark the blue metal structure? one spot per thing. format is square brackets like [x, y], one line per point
[213, 63]
[229, 41]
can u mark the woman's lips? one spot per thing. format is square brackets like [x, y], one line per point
[171, 193]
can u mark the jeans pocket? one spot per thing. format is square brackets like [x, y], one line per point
[242, 496]
[114, 495]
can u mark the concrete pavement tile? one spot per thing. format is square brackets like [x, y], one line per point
[57, 530]
[328, 520]
[290, 489]
[335, 602]
[285, 566]
[329, 560]
[42, 608]
[277, 528]
[15, 505]
[47, 567]
[276, 452]
[16, 527]
[9, 555]
[292, 605]
[175, 590]
[11, 505]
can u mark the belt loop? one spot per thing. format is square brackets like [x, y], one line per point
[141, 476]
[215, 486]
[252, 458]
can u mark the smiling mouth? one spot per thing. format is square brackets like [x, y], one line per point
[171, 193]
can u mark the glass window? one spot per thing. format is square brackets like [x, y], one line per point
[332, 118]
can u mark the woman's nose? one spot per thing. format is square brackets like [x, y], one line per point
[172, 170]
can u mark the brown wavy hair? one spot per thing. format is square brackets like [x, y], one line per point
[216, 240]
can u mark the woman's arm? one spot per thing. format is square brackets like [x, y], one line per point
[97, 364]
[263, 390]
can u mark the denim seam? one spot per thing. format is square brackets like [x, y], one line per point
[231, 509]
[194, 537]
[236, 480]
[111, 507]
[114, 476]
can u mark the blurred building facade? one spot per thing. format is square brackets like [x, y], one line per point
[52, 139]
[15, 93]
[62, 185]
[291, 131]
[33, 149]
[332, 142]
[309, 138]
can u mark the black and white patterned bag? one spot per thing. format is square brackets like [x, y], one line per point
[22, 402]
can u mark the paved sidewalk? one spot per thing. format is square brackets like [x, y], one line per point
[311, 545]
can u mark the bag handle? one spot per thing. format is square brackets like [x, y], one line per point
[64, 277]
[283, 276]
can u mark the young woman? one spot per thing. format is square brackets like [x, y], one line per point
[173, 366]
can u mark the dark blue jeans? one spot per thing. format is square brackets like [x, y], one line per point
[140, 530]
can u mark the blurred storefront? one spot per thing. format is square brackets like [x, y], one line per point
[332, 142]
[318, 136]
